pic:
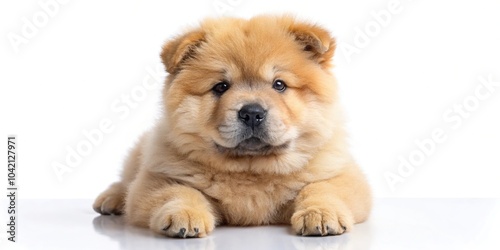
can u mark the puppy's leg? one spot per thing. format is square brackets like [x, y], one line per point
[112, 200]
[332, 207]
[168, 208]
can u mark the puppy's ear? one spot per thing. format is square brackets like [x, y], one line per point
[315, 40]
[177, 50]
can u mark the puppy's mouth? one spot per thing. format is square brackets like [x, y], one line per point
[252, 146]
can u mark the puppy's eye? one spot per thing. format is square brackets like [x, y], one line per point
[220, 88]
[279, 85]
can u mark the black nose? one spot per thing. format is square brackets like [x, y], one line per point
[252, 114]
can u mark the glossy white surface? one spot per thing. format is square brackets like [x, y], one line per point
[394, 224]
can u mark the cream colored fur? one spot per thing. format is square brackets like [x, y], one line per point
[178, 183]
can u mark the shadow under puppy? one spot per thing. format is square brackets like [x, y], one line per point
[251, 134]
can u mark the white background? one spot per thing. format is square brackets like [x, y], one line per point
[395, 88]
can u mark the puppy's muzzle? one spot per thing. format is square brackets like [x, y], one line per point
[252, 115]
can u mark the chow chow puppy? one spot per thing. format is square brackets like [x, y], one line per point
[251, 134]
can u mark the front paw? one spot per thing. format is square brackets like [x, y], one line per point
[180, 221]
[322, 221]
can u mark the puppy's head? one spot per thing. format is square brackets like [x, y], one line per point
[255, 91]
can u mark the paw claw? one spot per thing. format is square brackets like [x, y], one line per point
[184, 222]
[110, 201]
[321, 221]
[182, 233]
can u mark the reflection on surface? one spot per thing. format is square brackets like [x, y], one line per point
[264, 237]
[130, 237]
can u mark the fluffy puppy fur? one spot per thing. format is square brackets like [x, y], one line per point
[251, 134]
